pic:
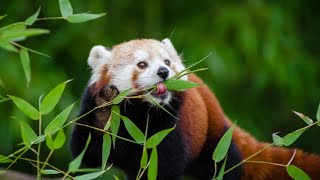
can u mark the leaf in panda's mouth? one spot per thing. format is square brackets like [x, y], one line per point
[177, 84]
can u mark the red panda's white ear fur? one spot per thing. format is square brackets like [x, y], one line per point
[168, 43]
[98, 56]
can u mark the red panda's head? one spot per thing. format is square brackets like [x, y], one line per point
[137, 64]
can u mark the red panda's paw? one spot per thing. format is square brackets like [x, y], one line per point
[106, 94]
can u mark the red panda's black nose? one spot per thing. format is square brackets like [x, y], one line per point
[163, 72]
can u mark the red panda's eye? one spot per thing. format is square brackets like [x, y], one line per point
[142, 65]
[167, 62]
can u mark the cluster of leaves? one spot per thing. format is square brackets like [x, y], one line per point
[295, 172]
[13, 33]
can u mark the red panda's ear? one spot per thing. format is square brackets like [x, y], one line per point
[168, 43]
[99, 55]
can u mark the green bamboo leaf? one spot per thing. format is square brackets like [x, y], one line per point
[65, 8]
[144, 158]
[115, 122]
[90, 175]
[33, 18]
[277, 140]
[52, 98]
[177, 84]
[58, 121]
[59, 140]
[153, 166]
[155, 139]
[88, 170]
[4, 159]
[25, 107]
[49, 142]
[15, 27]
[25, 61]
[23, 34]
[292, 137]
[304, 117]
[50, 171]
[133, 130]
[83, 17]
[223, 146]
[221, 172]
[115, 177]
[318, 115]
[106, 147]
[5, 44]
[3, 16]
[297, 173]
[120, 97]
[27, 133]
[75, 164]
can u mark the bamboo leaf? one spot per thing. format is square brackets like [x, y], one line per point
[75, 164]
[25, 107]
[3, 16]
[59, 140]
[11, 35]
[153, 166]
[318, 115]
[65, 8]
[27, 133]
[49, 142]
[50, 171]
[33, 18]
[292, 137]
[52, 98]
[58, 121]
[304, 117]
[15, 27]
[106, 147]
[177, 84]
[133, 130]
[144, 158]
[5, 44]
[155, 139]
[277, 140]
[83, 17]
[223, 146]
[4, 159]
[120, 97]
[115, 122]
[25, 61]
[221, 172]
[297, 173]
[90, 175]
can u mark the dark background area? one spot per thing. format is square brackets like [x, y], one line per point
[265, 59]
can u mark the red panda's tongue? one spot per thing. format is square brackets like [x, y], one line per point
[161, 88]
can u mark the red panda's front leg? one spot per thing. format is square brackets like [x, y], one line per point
[97, 119]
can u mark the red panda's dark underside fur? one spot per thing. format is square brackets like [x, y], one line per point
[202, 103]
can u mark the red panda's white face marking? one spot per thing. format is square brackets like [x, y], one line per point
[137, 64]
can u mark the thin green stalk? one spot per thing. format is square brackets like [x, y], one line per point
[144, 145]
[258, 152]
[50, 18]
[51, 166]
[39, 149]
[107, 132]
[47, 159]
[16, 158]
[270, 163]
[31, 50]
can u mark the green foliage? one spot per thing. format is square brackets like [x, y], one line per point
[25, 61]
[58, 121]
[153, 166]
[223, 146]
[83, 17]
[52, 98]
[27, 133]
[155, 139]
[106, 147]
[26, 108]
[221, 172]
[292, 137]
[33, 18]
[318, 115]
[75, 164]
[133, 130]
[296, 173]
[90, 175]
[4, 159]
[177, 84]
[304, 117]
[65, 8]
[277, 140]
[115, 122]
[120, 97]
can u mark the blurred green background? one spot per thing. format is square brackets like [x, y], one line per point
[265, 59]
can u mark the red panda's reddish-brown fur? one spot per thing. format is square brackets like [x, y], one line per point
[202, 116]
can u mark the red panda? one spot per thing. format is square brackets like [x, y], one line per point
[201, 123]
